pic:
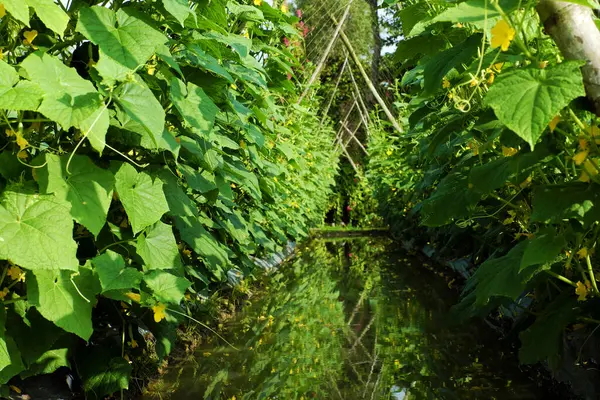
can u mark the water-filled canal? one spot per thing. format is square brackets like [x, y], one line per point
[351, 318]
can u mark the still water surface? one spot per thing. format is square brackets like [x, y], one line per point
[351, 318]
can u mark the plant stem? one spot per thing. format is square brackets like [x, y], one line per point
[561, 278]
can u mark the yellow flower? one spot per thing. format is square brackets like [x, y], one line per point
[502, 35]
[3, 293]
[284, 8]
[553, 123]
[29, 38]
[583, 252]
[473, 82]
[22, 155]
[490, 79]
[258, 3]
[543, 64]
[581, 290]
[2, 11]
[580, 157]
[584, 177]
[590, 168]
[389, 152]
[151, 69]
[159, 312]
[498, 66]
[21, 141]
[445, 83]
[1, 54]
[509, 151]
[134, 296]
[16, 273]
[133, 344]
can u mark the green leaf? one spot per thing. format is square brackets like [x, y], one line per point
[452, 199]
[10, 357]
[496, 173]
[503, 276]
[542, 249]
[65, 298]
[158, 248]
[586, 3]
[440, 64]
[103, 375]
[141, 196]
[574, 200]
[180, 204]
[51, 14]
[202, 242]
[95, 128]
[68, 98]
[166, 287]
[39, 222]
[88, 188]
[238, 43]
[411, 16]
[202, 182]
[208, 62]
[138, 101]
[196, 108]
[476, 11]
[122, 36]
[526, 100]
[110, 70]
[423, 44]
[18, 9]
[16, 94]
[180, 9]
[245, 12]
[113, 273]
[543, 339]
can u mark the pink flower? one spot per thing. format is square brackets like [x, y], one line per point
[299, 13]
[348, 208]
[350, 255]
[286, 41]
[289, 76]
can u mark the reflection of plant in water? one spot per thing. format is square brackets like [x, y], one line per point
[342, 322]
[292, 339]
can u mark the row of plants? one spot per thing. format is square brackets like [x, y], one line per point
[499, 165]
[150, 150]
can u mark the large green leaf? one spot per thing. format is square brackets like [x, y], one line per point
[526, 100]
[202, 242]
[180, 9]
[36, 231]
[542, 340]
[476, 12]
[158, 248]
[138, 101]
[16, 94]
[542, 249]
[503, 276]
[95, 128]
[104, 374]
[451, 200]
[496, 173]
[113, 273]
[166, 287]
[122, 36]
[573, 200]
[68, 98]
[439, 65]
[141, 196]
[88, 188]
[65, 298]
[196, 108]
[51, 14]
[10, 357]
[18, 9]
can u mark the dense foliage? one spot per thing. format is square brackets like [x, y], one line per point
[499, 163]
[149, 150]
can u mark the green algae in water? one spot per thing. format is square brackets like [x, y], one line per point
[350, 319]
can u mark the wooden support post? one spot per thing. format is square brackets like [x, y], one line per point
[344, 121]
[360, 99]
[365, 76]
[349, 157]
[337, 83]
[317, 70]
[352, 135]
